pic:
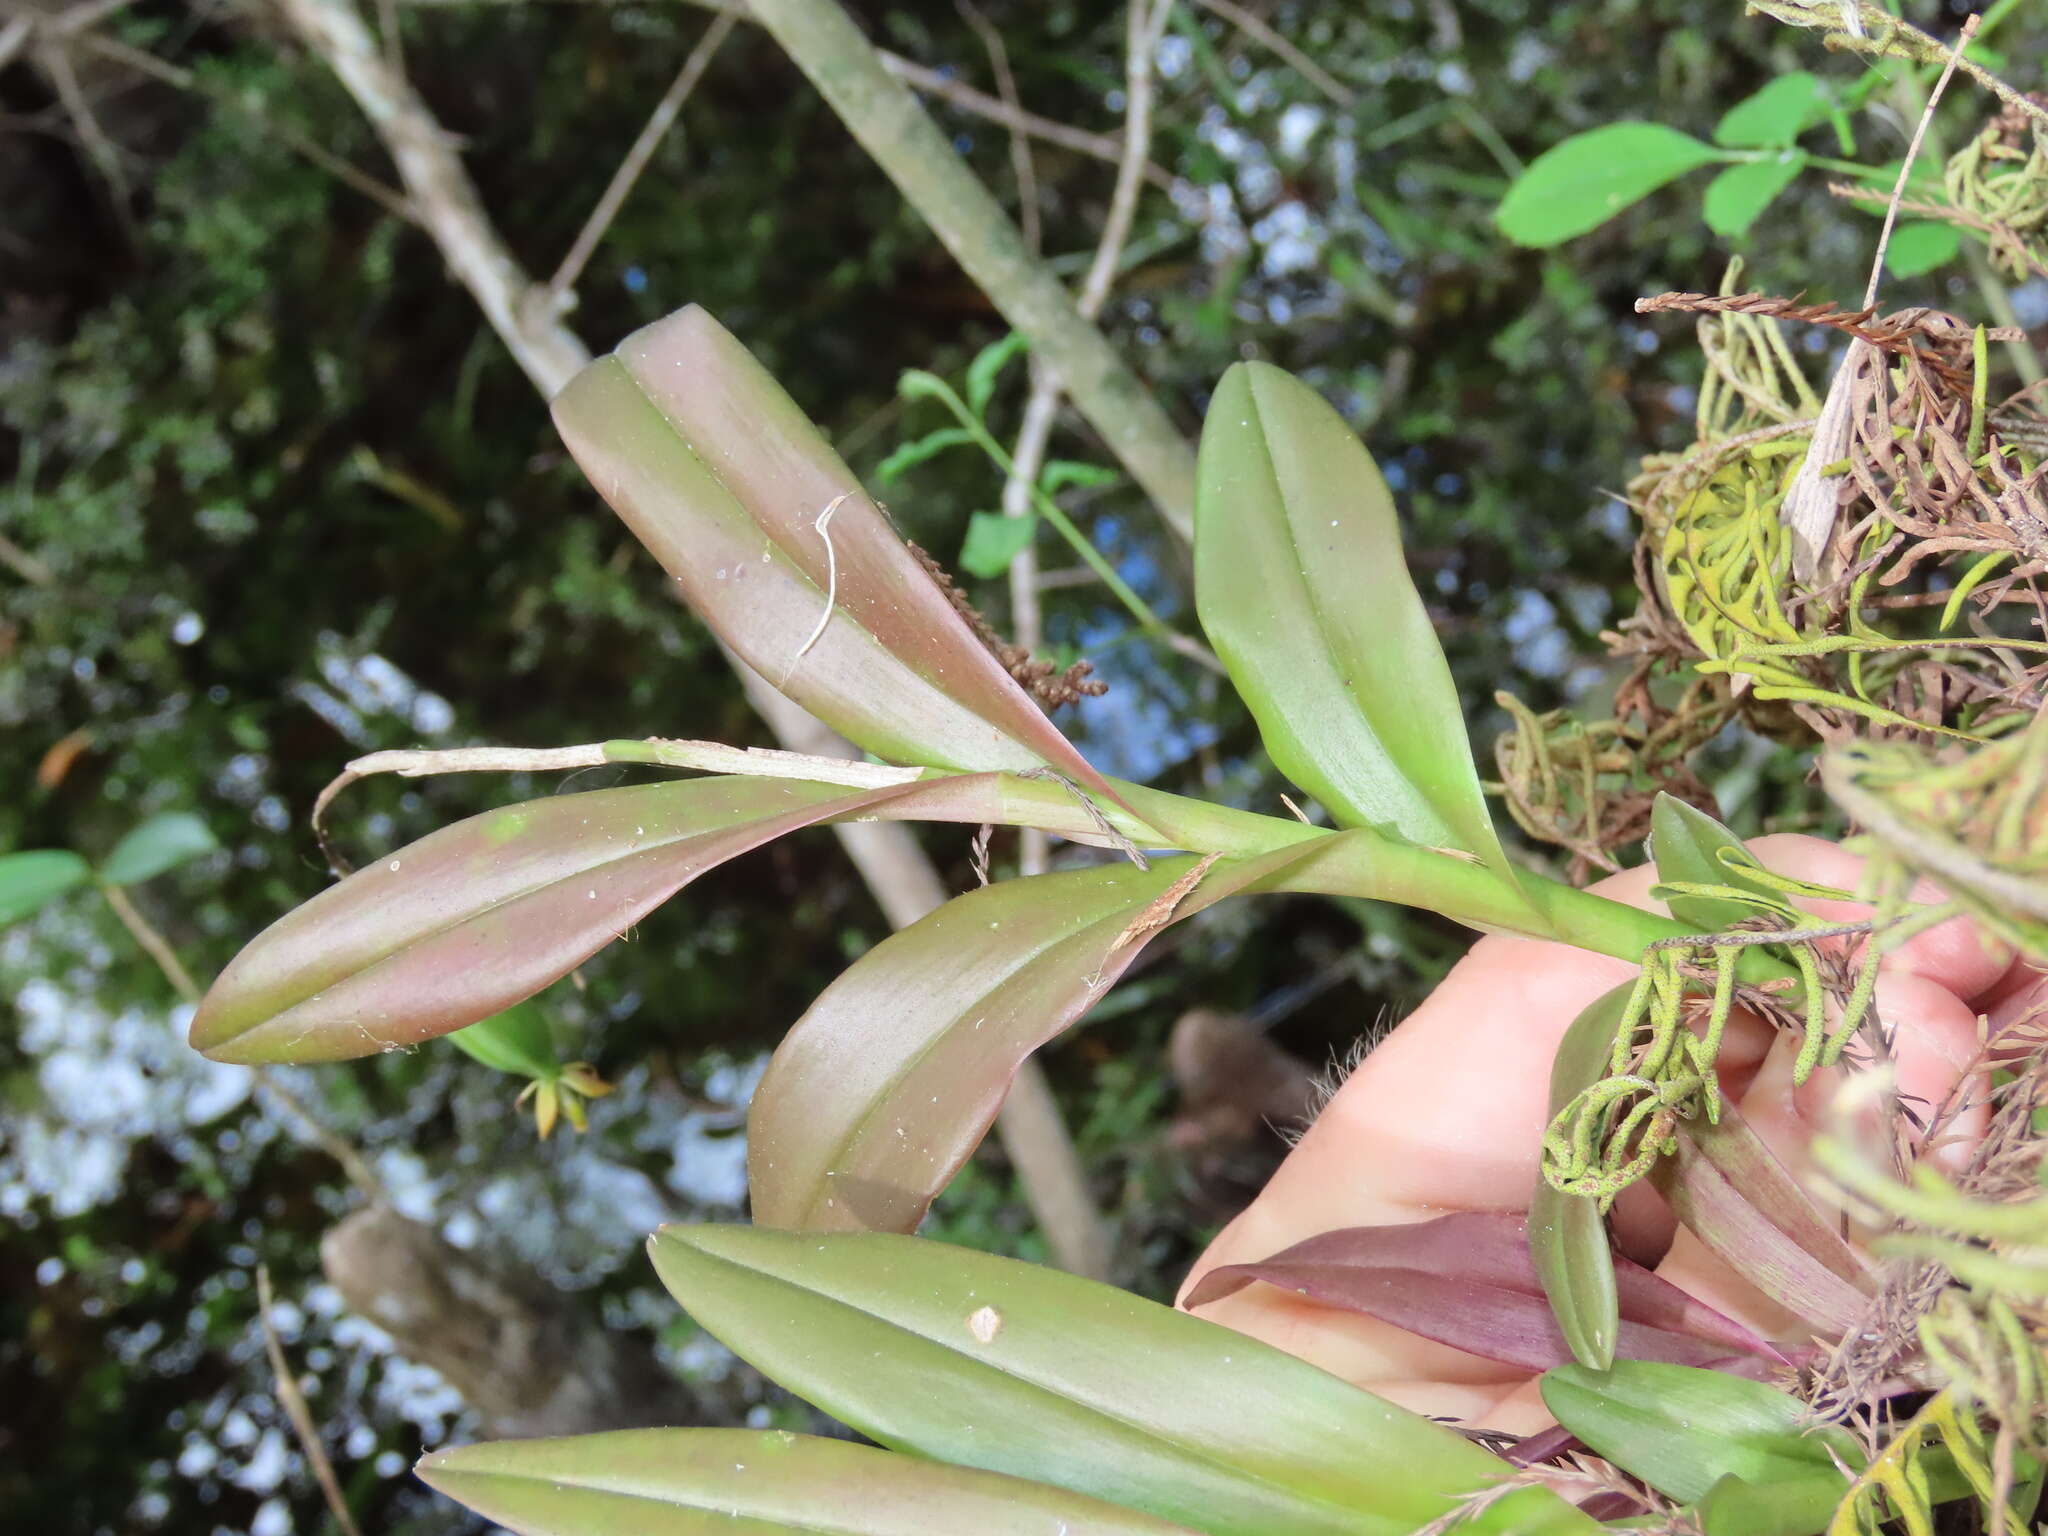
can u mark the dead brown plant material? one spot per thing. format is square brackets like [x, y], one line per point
[1047, 682]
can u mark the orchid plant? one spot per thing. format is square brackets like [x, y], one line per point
[1007, 1397]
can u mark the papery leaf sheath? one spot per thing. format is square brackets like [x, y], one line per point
[745, 504]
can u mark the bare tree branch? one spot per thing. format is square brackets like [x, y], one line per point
[1252, 26]
[621, 185]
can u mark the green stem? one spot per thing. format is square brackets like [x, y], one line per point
[894, 128]
[1365, 864]
[1047, 508]
[1357, 862]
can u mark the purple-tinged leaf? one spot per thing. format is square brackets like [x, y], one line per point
[773, 542]
[881, 1090]
[721, 1482]
[1739, 1200]
[1467, 1280]
[1567, 1234]
[471, 919]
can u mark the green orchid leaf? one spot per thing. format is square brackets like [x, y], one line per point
[1301, 585]
[160, 844]
[1567, 1233]
[1776, 115]
[986, 1362]
[993, 542]
[1686, 845]
[1681, 1429]
[1589, 178]
[1737, 197]
[515, 1041]
[1921, 245]
[882, 1089]
[481, 915]
[726, 1482]
[31, 881]
[772, 541]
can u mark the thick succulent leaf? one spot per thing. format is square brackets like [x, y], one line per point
[1567, 1234]
[1467, 1280]
[1742, 1203]
[479, 915]
[744, 1482]
[31, 881]
[1302, 587]
[883, 1088]
[1686, 844]
[1682, 1430]
[161, 843]
[724, 479]
[968, 1358]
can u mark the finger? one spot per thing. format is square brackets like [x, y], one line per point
[1957, 954]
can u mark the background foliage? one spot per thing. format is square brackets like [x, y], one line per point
[273, 496]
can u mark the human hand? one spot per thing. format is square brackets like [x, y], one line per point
[1448, 1114]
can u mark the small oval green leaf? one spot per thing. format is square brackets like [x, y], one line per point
[994, 541]
[160, 844]
[31, 881]
[722, 1482]
[1589, 178]
[1301, 584]
[1681, 1429]
[986, 1362]
[1737, 197]
[1686, 844]
[1921, 245]
[1774, 116]
[1567, 1233]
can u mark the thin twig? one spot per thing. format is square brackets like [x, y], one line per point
[153, 944]
[158, 948]
[1891, 213]
[388, 198]
[621, 185]
[1096, 146]
[352, 1162]
[24, 564]
[1028, 218]
[1146, 22]
[56, 63]
[1260, 32]
[295, 1409]
[1813, 499]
